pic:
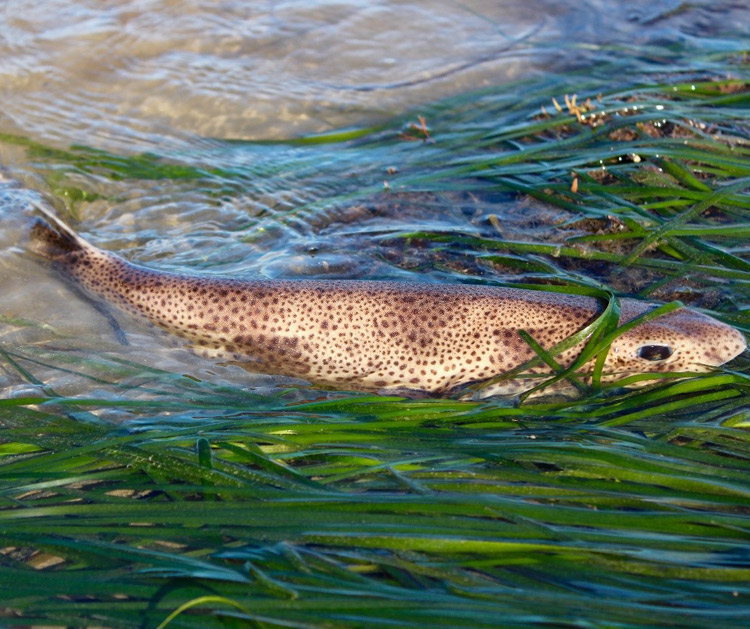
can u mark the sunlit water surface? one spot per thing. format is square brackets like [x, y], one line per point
[179, 79]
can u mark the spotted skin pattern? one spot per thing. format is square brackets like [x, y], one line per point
[368, 335]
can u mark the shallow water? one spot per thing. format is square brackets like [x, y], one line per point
[177, 80]
[181, 134]
[154, 75]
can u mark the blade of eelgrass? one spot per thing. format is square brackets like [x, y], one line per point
[713, 198]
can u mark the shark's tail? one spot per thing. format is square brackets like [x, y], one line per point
[53, 239]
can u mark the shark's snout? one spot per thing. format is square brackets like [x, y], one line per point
[682, 340]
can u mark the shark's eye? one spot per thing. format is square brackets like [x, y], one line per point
[655, 352]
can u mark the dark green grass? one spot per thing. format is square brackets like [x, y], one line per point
[212, 506]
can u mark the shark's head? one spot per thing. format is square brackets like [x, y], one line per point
[681, 340]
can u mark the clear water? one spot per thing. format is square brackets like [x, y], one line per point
[200, 83]
[136, 76]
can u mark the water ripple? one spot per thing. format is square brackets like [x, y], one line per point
[138, 75]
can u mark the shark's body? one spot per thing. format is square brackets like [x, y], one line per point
[368, 335]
